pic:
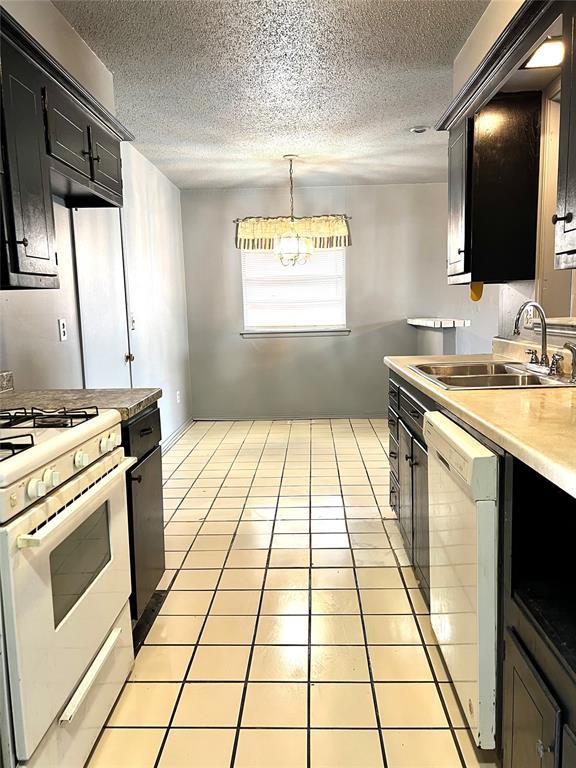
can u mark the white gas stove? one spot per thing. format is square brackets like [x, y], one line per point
[40, 450]
[64, 581]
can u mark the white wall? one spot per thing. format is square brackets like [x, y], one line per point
[152, 234]
[396, 269]
[47, 25]
[492, 22]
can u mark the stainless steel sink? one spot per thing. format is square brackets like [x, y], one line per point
[497, 381]
[488, 375]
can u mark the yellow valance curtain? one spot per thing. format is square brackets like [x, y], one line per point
[257, 233]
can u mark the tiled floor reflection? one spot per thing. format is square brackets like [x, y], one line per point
[293, 634]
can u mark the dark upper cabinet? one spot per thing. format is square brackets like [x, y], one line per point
[458, 197]
[56, 140]
[28, 245]
[105, 158]
[494, 163]
[565, 219]
[67, 136]
[531, 713]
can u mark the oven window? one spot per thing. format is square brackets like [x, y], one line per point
[76, 562]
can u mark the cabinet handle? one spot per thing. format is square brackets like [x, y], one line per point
[136, 479]
[413, 462]
[415, 414]
[128, 357]
[96, 158]
[23, 242]
[461, 250]
[541, 750]
[568, 218]
[393, 455]
[407, 458]
[146, 431]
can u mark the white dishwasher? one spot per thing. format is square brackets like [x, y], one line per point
[463, 508]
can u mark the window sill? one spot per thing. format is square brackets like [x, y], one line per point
[300, 333]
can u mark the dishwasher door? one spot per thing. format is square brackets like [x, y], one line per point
[462, 494]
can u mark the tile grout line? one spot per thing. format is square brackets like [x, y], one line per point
[368, 662]
[199, 637]
[262, 590]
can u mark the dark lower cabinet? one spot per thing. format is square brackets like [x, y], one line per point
[420, 515]
[147, 528]
[532, 715]
[405, 483]
[29, 257]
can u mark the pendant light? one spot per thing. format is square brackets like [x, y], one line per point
[293, 239]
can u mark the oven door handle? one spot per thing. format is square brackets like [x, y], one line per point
[68, 513]
[89, 678]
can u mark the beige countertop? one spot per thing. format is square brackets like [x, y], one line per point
[537, 426]
[128, 401]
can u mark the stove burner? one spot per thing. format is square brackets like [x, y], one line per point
[16, 444]
[63, 418]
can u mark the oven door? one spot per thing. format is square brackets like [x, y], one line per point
[65, 572]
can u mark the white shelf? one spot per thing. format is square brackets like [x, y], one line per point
[438, 322]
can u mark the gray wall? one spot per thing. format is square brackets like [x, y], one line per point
[152, 234]
[29, 342]
[395, 269]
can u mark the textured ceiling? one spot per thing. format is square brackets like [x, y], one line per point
[216, 91]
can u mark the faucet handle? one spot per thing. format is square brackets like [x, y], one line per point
[533, 356]
[554, 367]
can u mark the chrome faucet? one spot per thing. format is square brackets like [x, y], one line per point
[571, 347]
[544, 359]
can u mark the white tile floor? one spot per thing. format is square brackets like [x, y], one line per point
[293, 634]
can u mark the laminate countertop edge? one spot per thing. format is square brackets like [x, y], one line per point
[128, 402]
[536, 426]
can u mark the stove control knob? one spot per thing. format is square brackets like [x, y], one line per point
[81, 460]
[51, 478]
[35, 488]
[105, 445]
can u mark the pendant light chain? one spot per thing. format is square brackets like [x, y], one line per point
[291, 190]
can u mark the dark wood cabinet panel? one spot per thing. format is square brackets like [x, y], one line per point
[67, 130]
[147, 526]
[405, 486]
[29, 247]
[531, 713]
[105, 158]
[420, 516]
[458, 198]
[566, 208]
[568, 748]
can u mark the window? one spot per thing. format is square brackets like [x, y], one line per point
[309, 296]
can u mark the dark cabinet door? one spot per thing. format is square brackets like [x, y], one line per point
[420, 515]
[405, 483]
[531, 714]
[566, 208]
[67, 130]
[106, 160]
[568, 748]
[147, 525]
[458, 151]
[29, 231]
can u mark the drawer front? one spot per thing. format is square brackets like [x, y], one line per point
[412, 411]
[394, 395]
[142, 434]
[393, 423]
[393, 454]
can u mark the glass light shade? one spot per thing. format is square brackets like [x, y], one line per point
[292, 249]
[549, 54]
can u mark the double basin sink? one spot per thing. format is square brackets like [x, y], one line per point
[490, 375]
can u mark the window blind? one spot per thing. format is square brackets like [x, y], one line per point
[304, 296]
